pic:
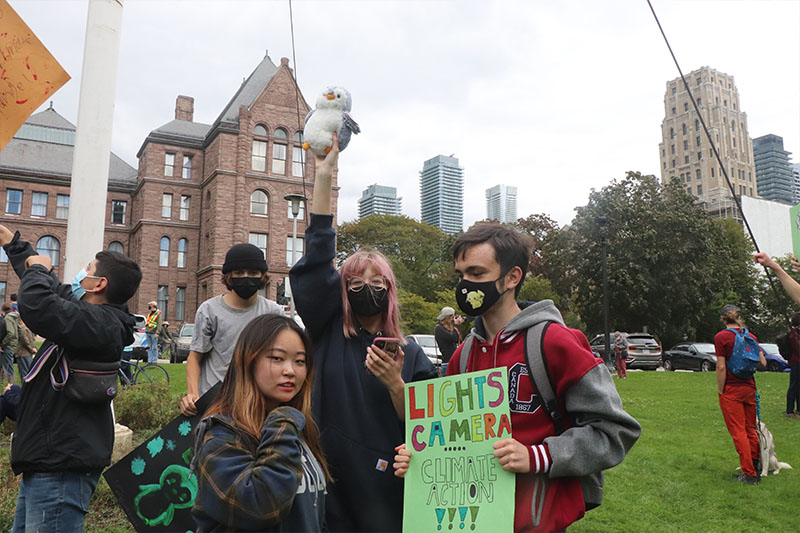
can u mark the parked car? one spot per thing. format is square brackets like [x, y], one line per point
[428, 344]
[775, 361]
[642, 350]
[182, 343]
[141, 321]
[138, 348]
[690, 356]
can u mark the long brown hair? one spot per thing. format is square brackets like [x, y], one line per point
[239, 396]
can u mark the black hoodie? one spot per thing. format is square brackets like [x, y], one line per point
[54, 433]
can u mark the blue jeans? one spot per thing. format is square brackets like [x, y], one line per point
[53, 501]
[152, 348]
[8, 364]
[793, 394]
[24, 364]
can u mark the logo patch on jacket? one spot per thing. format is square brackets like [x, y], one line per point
[521, 396]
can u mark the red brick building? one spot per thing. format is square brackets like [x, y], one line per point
[199, 189]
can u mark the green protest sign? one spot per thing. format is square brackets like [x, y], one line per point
[794, 221]
[454, 482]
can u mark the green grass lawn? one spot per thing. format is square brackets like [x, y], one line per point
[676, 476]
[674, 479]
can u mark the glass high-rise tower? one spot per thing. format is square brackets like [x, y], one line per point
[501, 203]
[773, 171]
[441, 192]
[379, 200]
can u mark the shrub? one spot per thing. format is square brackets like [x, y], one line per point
[146, 406]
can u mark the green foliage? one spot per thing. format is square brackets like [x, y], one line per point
[417, 315]
[419, 253]
[537, 288]
[670, 266]
[146, 406]
[539, 227]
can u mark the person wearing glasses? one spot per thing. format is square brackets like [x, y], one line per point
[358, 388]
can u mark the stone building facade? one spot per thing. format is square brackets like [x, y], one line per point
[198, 190]
[685, 152]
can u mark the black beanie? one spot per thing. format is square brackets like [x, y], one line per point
[244, 256]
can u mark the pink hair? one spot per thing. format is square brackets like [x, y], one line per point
[356, 265]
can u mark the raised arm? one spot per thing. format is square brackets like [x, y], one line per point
[790, 285]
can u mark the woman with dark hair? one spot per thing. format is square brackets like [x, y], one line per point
[258, 458]
[359, 388]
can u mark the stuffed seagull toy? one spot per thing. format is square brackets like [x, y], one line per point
[330, 116]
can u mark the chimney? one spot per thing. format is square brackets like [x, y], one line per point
[184, 108]
[284, 61]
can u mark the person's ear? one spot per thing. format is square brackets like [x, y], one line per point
[513, 277]
[102, 284]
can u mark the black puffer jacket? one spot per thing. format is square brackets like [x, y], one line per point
[52, 432]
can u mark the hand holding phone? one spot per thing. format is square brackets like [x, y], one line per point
[389, 345]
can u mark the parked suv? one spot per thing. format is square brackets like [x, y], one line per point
[641, 350]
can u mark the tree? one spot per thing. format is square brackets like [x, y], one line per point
[669, 263]
[539, 227]
[419, 253]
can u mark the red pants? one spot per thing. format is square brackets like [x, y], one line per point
[621, 370]
[738, 406]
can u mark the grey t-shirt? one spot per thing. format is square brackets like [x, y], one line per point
[216, 330]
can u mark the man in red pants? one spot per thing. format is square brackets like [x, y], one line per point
[737, 399]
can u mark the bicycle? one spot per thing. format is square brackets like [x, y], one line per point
[146, 373]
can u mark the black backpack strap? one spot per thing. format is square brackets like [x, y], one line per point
[466, 348]
[540, 377]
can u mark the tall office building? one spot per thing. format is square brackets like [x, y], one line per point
[796, 181]
[379, 200]
[773, 171]
[685, 151]
[441, 188]
[501, 203]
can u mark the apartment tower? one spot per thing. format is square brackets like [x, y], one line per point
[379, 200]
[501, 203]
[773, 171]
[685, 152]
[441, 184]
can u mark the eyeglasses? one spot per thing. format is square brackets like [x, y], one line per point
[375, 283]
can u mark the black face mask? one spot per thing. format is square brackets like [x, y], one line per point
[475, 298]
[368, 301]
[246, 287]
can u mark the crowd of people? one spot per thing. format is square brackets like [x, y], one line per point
[305, 431]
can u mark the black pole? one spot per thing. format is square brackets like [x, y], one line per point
[602, 221]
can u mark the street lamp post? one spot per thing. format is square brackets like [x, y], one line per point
[602, 221]
[294, 201]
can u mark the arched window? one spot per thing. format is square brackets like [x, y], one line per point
[298, 157]
[116, 246]
[49, 245]
[259, 202]
[259, 157]
[182, 245]
[279, 152]
[163, 254]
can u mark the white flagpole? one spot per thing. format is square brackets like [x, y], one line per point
[89, 189]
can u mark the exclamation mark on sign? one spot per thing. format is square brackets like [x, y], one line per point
[463, 512]
[473, 512]
[451, 513]
[439, 517]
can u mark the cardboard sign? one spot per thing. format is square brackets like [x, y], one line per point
[152, 483]
[794, 221]
[454, 483]
[29, 74]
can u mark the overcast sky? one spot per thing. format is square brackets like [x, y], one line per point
[554, 97]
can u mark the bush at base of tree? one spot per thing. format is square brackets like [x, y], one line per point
[146, 406]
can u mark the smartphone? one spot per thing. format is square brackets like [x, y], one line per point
[388, 345]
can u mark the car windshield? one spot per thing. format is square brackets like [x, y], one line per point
[705, 348]
[187, 330]
[649, 341]
[770, 348]
[426, 341]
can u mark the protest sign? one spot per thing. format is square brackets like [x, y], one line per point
[152, 483]
[28, 73]
[454, 482]
[794, 222]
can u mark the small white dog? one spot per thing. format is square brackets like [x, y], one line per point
[766, 444]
